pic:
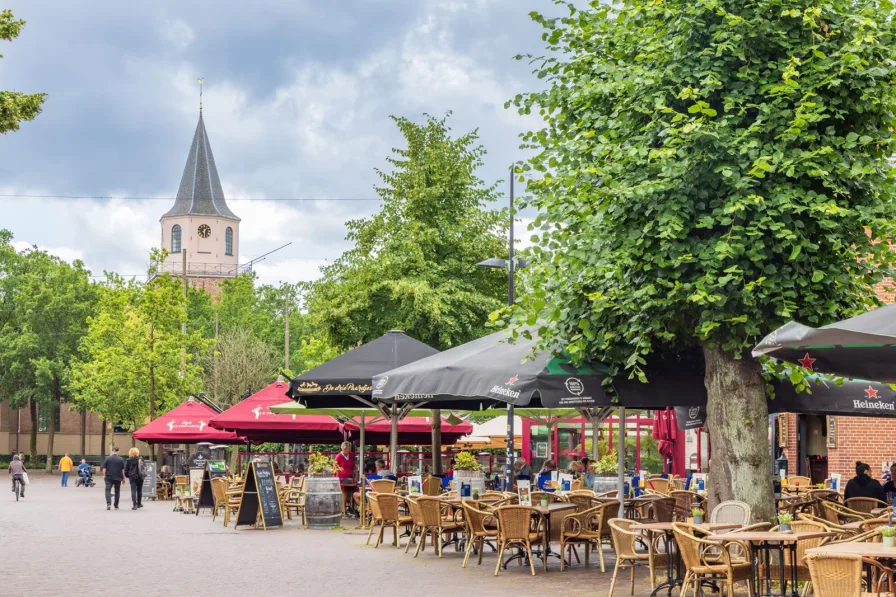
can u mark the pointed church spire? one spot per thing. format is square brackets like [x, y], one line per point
[200, 192]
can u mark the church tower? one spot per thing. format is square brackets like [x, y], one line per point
[200, 223]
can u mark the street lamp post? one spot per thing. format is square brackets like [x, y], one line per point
[510, 264]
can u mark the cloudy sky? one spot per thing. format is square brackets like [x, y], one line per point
[297, 98]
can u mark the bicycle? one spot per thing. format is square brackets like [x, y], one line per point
[18, 485]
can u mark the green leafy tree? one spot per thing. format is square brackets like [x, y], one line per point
[707, 172]
[239, 362]
[15, 106]
[48, 304]
[136, 363]
[413, 264]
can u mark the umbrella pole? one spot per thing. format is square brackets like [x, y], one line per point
[595, 452]
[362, 478]
[620, 451]
[393, 440]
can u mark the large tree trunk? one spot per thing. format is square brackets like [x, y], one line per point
[737, 418]
[436, 442]
[51, 434]
[32, 411]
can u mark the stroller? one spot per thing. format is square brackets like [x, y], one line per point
[85, 478]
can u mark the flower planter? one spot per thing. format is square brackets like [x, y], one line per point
[323, 502]
[475, 479]
[785, 528]
[698, 520]
[889, 541]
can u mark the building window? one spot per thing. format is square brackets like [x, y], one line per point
[228, 241]
[43, 418]
[175, 238]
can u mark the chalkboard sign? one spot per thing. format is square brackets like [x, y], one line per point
[213, 469]
[260, 501]
[149, 483]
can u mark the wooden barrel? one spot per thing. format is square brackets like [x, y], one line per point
[323, 502]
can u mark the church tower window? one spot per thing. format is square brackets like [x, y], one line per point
[175, 238]
[228, 241]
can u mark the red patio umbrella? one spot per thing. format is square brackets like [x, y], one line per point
[252, 418]
[186, 424]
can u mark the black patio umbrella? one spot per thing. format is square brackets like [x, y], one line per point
[863, 347]
[491, 368]
[341, 381]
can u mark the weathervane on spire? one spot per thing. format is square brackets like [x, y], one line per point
[201, 81]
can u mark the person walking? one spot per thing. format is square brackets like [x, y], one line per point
[113, 474]
[65, 467]
[135, 476]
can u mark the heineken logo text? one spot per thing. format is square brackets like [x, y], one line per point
[873, 404]
[506, 392]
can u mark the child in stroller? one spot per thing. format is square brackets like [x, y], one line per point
[85, 477]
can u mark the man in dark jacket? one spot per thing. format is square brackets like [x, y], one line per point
[862, 485]
[113, 473]
[17, 469]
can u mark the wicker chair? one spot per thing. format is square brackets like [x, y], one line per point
[553, 498]
[583, 502]
[521, 526]
[588, 492]
[802, 572]
[731, 512]
[426, 517]
[608, 494]
[803, 483]
[624, 542]
[383, 485]
[658, 484]
[872, 536]
[577, 485]
[840, 575]
[581, 528]
[842, 532]
[481, 527]
[864, 505]
[384, 507]
[837, 514]
[660, 510]
[294, 502]
[724, 569]
[685, 501]
[432, 486]
[234, 497]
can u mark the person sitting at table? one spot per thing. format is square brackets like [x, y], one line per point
[382, 472]
[166, 476]
[862, 485]
[890, 486]
[588, 473]
[521, 469]
[574, 469]
[544, 475]
[291, 467]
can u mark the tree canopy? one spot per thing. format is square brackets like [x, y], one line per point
[707, 172]
[15, 106]
[413, 264]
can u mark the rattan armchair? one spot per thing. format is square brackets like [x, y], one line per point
[874, 523]
[432, 486]
[232, 506]
[583, 501]
[731, 512]
[384, 507]
[658, 484]
[685, 501]
[625, 540]
[840, 575]
[294, 502]
[802, 571]
[837, 514]
[581, 528]
[661, 509]
[520, 526]
[219, 495]
[722, 567]
[481, 527]
[864, 505]
[426, 518]
[383, 485]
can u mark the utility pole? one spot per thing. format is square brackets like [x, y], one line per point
[508, 469]
[286, 331]
[183, 326]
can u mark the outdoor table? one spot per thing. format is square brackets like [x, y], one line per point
[878, 512]
[673, 563]
[546, 512]
[875, 551]
[764, 542]
[855, 525]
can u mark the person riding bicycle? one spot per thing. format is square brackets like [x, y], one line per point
[17, 469]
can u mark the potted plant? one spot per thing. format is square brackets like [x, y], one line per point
[697, 513]
[784, 521]
[468, 470]
[889, 536]
[544, 500]
[475, 494]
[320, 465]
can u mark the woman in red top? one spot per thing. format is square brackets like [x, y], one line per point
[346, 475]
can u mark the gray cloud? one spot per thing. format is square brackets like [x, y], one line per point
[297, 99]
